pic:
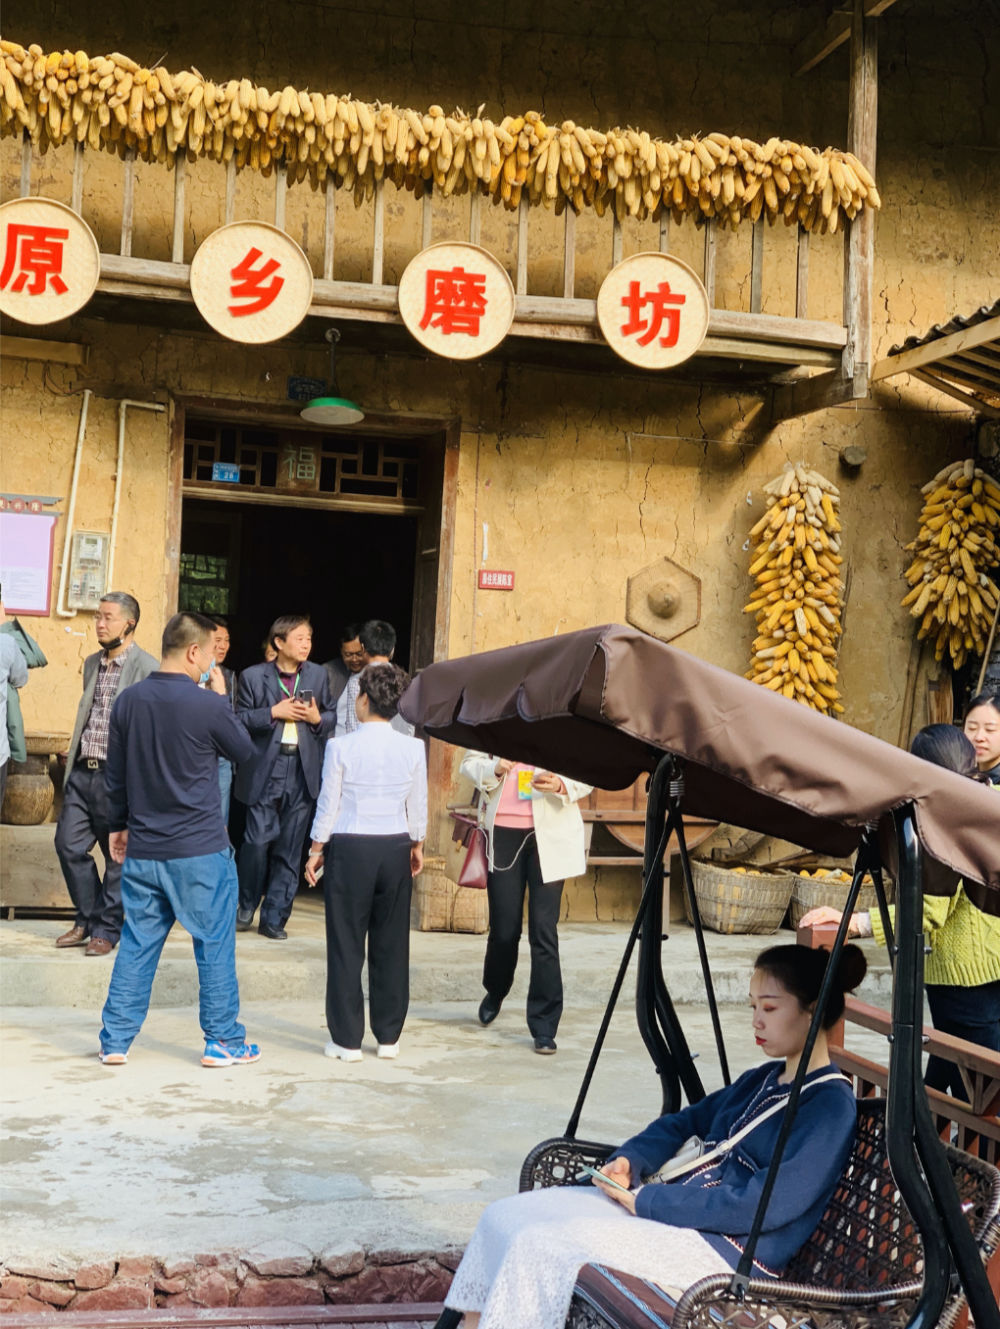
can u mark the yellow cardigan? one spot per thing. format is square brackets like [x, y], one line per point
[964, 942]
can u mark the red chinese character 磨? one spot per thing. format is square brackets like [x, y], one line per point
[659, 301]
[36, 252]
[248, 284]
[454, 301]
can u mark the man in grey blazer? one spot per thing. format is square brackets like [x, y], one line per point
[83, 821]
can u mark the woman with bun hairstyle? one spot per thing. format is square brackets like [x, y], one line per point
[371, 819]
[962, 968]
[982, 728]
[525, 1254]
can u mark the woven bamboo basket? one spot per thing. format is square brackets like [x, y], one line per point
[811, 892]
[441, 905]
[740, 902]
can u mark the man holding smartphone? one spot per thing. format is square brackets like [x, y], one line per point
[285, 705]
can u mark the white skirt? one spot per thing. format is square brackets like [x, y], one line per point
[519, 1268]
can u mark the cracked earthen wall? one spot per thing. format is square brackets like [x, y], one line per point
[581, 479]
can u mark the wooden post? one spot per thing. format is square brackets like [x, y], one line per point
[378, 239]
[664, 232]
[25, 164]
[329, 223]
[569, 253]
[821, 938]
[180, 173]
[862, 127]
[521, 271]
[280, 194]
[757, 267]
[76, 193]
[802, 275]
[426, 221]
[710, 261]
[128, 203]
[475, 225]
[231, 189]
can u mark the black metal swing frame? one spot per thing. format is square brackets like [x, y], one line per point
[922, 1168]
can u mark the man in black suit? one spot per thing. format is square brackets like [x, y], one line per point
[285, 706]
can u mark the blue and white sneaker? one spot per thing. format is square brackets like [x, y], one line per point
[113, 1058]
[219, 1054]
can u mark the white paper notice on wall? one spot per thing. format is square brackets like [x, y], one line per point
[26, 561]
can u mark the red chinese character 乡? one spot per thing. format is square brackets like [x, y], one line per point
[454, 301]
[660, 302]
[36, 252]
[248, 284]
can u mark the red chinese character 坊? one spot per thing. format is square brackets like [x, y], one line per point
[248, 284]
[662, 311]
[36, 252]
[455, 301]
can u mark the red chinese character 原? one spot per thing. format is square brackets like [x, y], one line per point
[664, 310]
[455, 301]
[249, 284]
[36, 252]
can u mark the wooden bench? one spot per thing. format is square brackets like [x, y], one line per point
[863, 1260]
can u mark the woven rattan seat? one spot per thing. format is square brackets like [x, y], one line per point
[861, 1268]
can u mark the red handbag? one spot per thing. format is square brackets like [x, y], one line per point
[475, 868]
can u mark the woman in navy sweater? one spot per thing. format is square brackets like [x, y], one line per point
[524, 1256]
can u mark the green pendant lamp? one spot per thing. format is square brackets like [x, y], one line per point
[333, 409]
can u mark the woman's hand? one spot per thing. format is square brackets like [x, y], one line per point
[826, 914]
[416, 859]
[547, 783]
[313, 862]
[621, 1170]
[502, 767]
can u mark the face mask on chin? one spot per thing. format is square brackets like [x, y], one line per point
[203, 679]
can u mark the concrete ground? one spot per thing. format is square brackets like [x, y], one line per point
[164, 1157]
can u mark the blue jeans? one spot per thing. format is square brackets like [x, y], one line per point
[200, 894]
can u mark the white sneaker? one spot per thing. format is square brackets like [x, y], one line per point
[333, 1049]
[387, 1051]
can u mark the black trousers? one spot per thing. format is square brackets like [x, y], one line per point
[971, 1013]
[83, 822]
[270, 857]
[367, 887]
[513, 873]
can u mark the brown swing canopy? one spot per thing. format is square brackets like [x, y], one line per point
[603, 705]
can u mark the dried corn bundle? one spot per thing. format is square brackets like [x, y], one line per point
[951, 593]
[108, 101]
[798, 596]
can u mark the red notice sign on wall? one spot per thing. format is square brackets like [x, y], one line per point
[491, 579]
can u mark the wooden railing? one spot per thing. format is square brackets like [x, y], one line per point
[517, 238]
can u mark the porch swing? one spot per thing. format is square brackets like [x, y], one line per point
[906, 1234]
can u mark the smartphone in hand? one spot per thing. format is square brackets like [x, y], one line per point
[605, 1180]
[305, 696]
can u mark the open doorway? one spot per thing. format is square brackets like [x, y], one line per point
[252, 562]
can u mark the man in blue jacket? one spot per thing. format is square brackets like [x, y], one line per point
[166, 828]
[286, 707]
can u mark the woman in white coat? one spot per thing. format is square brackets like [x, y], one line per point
[534, 842]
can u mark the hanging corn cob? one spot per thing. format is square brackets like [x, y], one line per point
[798, 597]
[951, 593]
[110, 102]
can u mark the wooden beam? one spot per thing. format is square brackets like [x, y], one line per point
[862, 126]
[951, 390]
[54, 352]
[819, 393]
[814, 48]
[905, 362]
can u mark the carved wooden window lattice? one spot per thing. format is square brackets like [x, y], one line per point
[300, 462]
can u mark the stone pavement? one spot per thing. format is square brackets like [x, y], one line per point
[165, 1158]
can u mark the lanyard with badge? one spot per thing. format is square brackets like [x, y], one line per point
[290, 730]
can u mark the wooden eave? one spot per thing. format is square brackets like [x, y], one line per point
[964, 363]
[835, 32]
